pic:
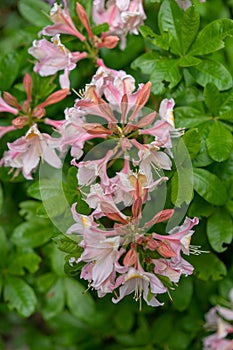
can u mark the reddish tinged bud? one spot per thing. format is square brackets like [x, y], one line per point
[11, 100]
[54, 98]
[95, 129]
[131, 257]
[165, 250]
[84, 19]
[38, 112]
[163, 215]
[147, 120]
[151, 243]
[108, 41]
[142, 99]
[20, 122]
[137, 207]
[27, 82]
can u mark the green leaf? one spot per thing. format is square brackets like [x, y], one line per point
[161, 41]
[211, 37]
[28, 209]
[203, 159]
[209, 186]
[20, 296]
[1, 199]
[170, 20]
[182, 187]
[219, 142]
[212, 72]
[101, 28]
[189, 29]
[208, 266]
[146, 62]
[182, 295]
[34, 12]
[44, 282]
[33, 233]
[188, 61]
[9, 68]
[20, 262]
[199, 207]
[189, 117]
[166, 71]
[54, 300]
[212, 98]
[192, 141]
[79, 303]
[67, 245]
[219, 230]
[3, 246]
[57, 261]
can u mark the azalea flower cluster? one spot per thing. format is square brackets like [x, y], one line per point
[123, 17]
[120, 250]
[219, 319]
[121, 151]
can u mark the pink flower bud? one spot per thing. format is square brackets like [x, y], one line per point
[108, 41]
[84, 19]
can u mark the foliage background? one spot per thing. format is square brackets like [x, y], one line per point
[43, 307]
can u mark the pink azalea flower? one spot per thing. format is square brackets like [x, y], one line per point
[63, 23]
[6, 129]
[25, 153]
[123, 17]
[179, 237]
[53, 57]
[143, 284]
[4, 107]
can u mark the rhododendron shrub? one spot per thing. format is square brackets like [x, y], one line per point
[116, 175]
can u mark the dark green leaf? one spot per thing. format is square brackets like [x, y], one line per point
[170, 20]
[189, 29]
[20, 296]
[33, 233]
[182, 295]
[212, 98]
[3, 246]
[211, 37]
[79, 303]
[182, 187]
[208, 266]
[203, 158]
[219, 142]
[20, 262]
[212, 72]
[9, 67]
[199, 207]
[1, 199]
[54, 300]
[209, 186]
[34, 12]
[219, 230]
[189, 117]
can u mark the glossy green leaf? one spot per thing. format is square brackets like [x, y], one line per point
[33, 233]
[211, 38]
[35, 12]
[220, 230]
[212, 98]
[67, 245]
[9, 68]
[22, 262]
[146, 62]
[219, 142]
[170, 20]
[54, 300]
[182, 294]
[20, 296]
[189, 29]
[200, 208]
[208, 267]
[209, 186]
[161, 41]
[166, 71]
[203, 159]
[188, 61]
[192, 141]
[79, 303]
[189, 117]
[182, 187]
[212, 72]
